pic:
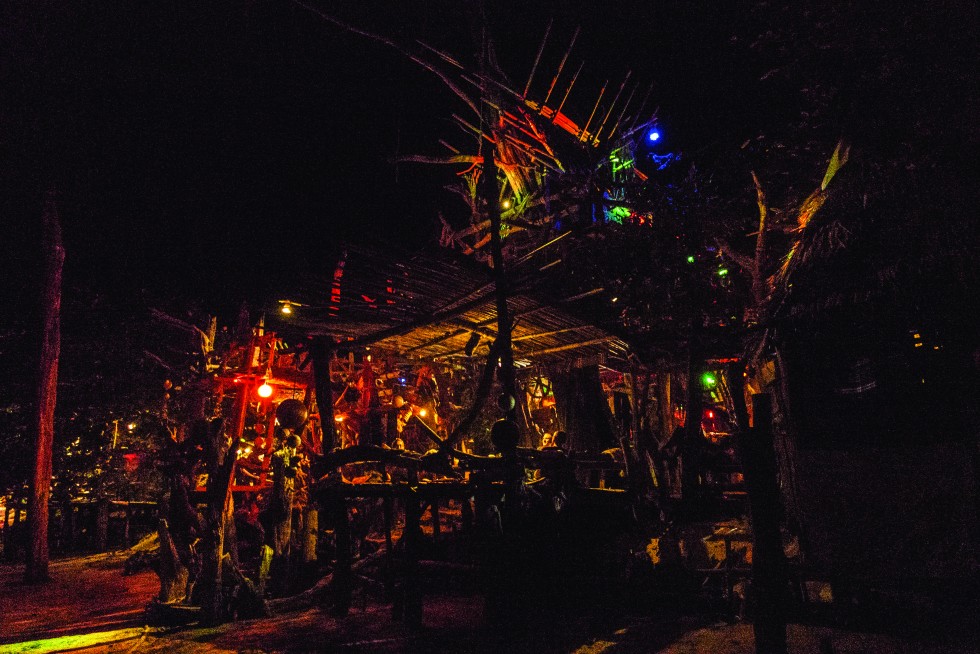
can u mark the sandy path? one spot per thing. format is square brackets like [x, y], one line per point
[85, 594]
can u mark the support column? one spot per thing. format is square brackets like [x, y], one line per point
[769, 580]
[321, 351]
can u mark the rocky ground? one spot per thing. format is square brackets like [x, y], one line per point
[89, 607]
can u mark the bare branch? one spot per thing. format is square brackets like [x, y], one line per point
[381, 39]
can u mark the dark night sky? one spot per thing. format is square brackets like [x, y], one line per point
[197, 146]
[200, 147]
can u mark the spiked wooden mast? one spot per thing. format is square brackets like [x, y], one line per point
[491, 195]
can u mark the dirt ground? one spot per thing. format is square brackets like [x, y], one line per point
[91, 607]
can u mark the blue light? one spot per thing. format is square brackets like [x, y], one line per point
[653, 135]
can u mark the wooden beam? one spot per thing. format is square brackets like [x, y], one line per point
[569, 346]
[474, 328]
[580, 296]
[551, 333]
[437, 340]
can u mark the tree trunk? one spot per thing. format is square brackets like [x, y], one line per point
[769, 582]
[47, 391]
[221, 468]
[691, 446]
[321, 351]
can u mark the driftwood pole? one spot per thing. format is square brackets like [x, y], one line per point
[692, 443]
[173, 574]
[221, 468]
[412, 535]
[769, 581]
[343, 576]
[53, 255]
[321, 351]
[491, 194]
[504, 347]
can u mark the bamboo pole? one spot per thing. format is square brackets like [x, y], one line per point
[561, 66]
[568, 91]
[619, 119]
[585, 130]
[610, 110]
[537, 59]
[570, 346]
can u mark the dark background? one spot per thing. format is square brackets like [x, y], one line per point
[206, 149]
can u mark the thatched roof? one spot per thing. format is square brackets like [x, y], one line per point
[439, 308]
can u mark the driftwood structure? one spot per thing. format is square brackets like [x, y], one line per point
[420, 337]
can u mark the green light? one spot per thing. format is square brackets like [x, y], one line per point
[618, 214]
[616, 167]
[690, 258]
[708, 380]
[722, 272]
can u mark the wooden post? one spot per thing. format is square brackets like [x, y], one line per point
[53, 256]
[8, 528]
[434, 512]
[769, 581]
[387, 502]
[265, 565]
[343, 576]
[221, 469]
[692, 443]
[491, 194]
[311, 528]
[412, 535]
[127, 525]
[321, 351]
[466, 515]
[20, 524]
[102, 525]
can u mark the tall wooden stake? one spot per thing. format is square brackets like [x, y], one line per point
[491, 193]
[769, 580]
[321, 351]
[53, 253]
